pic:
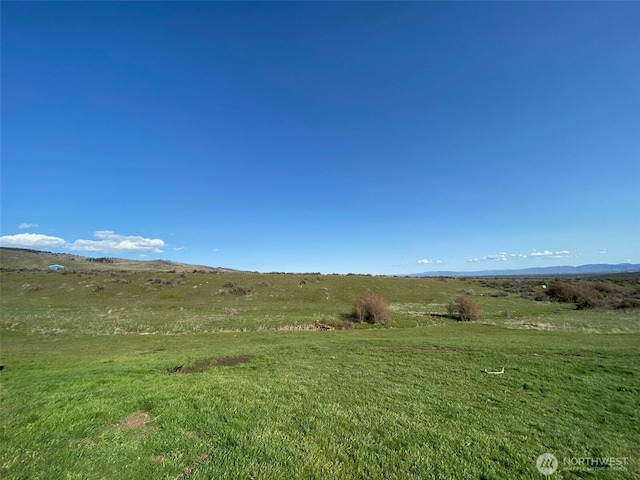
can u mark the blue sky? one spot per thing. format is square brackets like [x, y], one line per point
[365, 137]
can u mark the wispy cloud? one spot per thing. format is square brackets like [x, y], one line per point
[499, 257]
[31, 240]
[505, 256]
[107, 241]
[603, 251]
[22, 226]
[426, 261]
[548, 254]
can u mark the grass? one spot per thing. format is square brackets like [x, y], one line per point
[86, 392]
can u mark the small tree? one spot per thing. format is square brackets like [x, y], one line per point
[372, 308]
[465, 310]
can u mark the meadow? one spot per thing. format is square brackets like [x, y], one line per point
[215, 374]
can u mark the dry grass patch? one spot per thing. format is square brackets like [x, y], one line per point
[201, 365]
[135, 420]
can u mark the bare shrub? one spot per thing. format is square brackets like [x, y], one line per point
[235, 289]
[599, 294]
[584, 294]
[465, 309]
[239, 290]
[372, 308]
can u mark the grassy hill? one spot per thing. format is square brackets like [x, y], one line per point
[35, 260]
[144, 370]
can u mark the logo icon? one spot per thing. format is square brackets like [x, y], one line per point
[547, 464]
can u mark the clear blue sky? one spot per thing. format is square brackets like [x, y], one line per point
[382, 138]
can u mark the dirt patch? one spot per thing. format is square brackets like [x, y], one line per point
[135, 420]
[201, 365]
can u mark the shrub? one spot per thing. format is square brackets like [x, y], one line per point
[239, 290]
[234, 288]
[600, 294]
[372, 308]
[465, 310]
[584, 294]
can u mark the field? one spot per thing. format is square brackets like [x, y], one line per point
[119, 373]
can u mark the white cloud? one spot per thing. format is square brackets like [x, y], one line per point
[107, 241]
[27, 225]
[548, 254]
[545, 253]
[504, 256]
[499, 257]
[603, 251]
[31, 240]
[426, 261]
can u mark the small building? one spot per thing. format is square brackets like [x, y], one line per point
[55, 268]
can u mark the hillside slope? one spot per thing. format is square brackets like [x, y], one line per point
[12, 259]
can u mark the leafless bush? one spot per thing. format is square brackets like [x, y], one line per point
[239, 290]
[372, 308]
[587, 294]
[465, 310]
[584, 294]
[235, 289]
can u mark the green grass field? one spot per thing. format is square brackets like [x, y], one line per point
[87, 392]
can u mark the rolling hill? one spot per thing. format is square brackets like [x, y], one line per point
[27, 259]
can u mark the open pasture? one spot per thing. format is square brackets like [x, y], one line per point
[225, 375]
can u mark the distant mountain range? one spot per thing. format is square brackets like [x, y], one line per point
[565, 270]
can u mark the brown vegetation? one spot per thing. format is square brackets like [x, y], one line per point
[372, 308]
[330, 323]
[611, 293]
[593, 294]
[465, 309]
